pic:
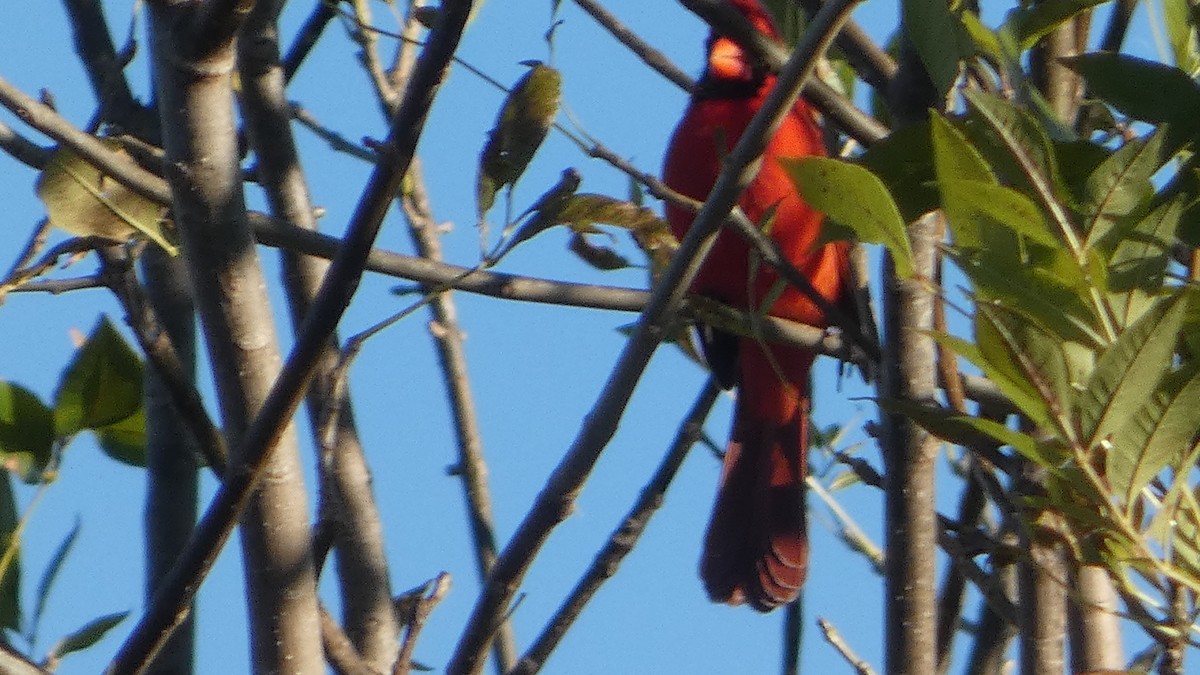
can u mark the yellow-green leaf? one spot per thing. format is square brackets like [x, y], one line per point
[522, 125]
[81, 200]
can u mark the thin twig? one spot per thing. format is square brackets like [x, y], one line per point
[648, 54]
[623, 538]
[850, 532]
[835, 640]
[448, 339]
[46, 120]
[437, 590]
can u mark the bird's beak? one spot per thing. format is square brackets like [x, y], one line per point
[727, 61]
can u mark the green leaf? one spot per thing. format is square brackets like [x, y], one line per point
[854, 198]
[543, 215]
[903, 160]
[82, 200]
[967, 430]
[1128, 372]
[1032, 23]
[87, 635]
[1012, 388]
[1140, 258]
[976, 207]
[939, 38]
[49, 575]
[10, 573]
[1181, 29]
[1159, 434]
[1013, 142]
[26, 432]
[789, 19]
[1144, 90]
[1120, 185]
[953, 155]
[125, 441]
[985, 39]
[1043, 285]
[522, 125]
[1026, 357]
[101, 385]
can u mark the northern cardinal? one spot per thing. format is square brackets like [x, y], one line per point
[756, 546]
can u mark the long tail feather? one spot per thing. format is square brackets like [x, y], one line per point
[756, 547]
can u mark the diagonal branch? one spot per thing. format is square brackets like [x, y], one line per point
[219, 520]
[623, 539]
[554, 501]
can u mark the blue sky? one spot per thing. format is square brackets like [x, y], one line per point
[536, 371]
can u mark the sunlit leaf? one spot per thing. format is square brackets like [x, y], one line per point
[1028, 358]
[1120, 185]
[968, 430]
[1140, 258]
[1042, 286]
[82, 200]
[101, 385]
[987, 205]
[1128, 372]
[1013, 142]
[1031, 23]
[26, 432]
[854, 198]
[953, 155]
[1181, 29]
[522, 125]
[1161, 432]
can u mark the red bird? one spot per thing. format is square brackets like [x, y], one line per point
[756, 547]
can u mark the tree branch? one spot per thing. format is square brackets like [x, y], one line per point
[259, 440]
[348, 500]
[624, 538]
[554, 501]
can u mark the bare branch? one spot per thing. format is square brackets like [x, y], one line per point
[471, 465]
[1094, 622]
[437, 590]
[22, 149]
[648, 54]
[347, 497]
[623, 539]
[220, 518]
[835, 640]
[314, 26]
[554, 501]
[909, 454]
[46, 120]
